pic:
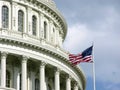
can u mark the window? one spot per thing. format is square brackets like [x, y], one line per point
[20, 20]
[7, 79]
[45, 30]
[5, 17]
[37, 86]
[34, 25]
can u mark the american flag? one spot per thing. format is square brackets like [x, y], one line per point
[85, 56]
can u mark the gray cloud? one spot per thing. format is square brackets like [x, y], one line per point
[98, 21]
[90, 12]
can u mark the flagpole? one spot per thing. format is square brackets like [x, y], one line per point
[94, 75]
[94, 84]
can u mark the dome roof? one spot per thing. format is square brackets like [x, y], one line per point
[50, 2]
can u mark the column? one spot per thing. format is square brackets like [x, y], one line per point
[24, 73]
[76, 86]
[40, 26]
[16, 78]
[41, 21]
[42, 76]
[3, 69]
[57, 79]
[25, 21]
[32, 81]
[50, 30]
[18, 82]
[60, 37]
[68, 83]
[13, 16]
[57, 36]
[0, 19]
[29, 21]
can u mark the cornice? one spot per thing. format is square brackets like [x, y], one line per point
[55, 53]
[26, 43]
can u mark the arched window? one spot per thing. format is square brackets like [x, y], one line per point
[7, 78]
[45, 30]
[34, 25]
[37, 86]
[5, 16]
[20, 20]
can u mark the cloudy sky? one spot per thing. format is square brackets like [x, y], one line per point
[95, 21]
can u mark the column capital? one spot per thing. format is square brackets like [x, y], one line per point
[50, 21]
[75, 83]
[28, 8]
[41, 14]
[4, 54]
[25, 58]
[57, 69]
[68, 77]
[42, 64]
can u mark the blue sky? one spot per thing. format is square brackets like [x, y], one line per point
[95, 21]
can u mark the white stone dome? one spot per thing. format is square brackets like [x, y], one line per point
[50, 2]
[31, 48]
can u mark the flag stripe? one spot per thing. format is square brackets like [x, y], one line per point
[85, 56]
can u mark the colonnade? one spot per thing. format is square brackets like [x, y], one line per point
[41, 75]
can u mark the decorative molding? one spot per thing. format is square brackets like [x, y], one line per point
[25, 58]
[37, 47]
[42, 64]
[57, 70]
[4, 54]
[68, 77]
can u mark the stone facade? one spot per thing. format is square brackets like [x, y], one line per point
[32, 57]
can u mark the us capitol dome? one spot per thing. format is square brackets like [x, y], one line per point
[32, 57]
